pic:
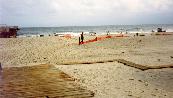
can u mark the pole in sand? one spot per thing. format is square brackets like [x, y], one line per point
[79, 40]
[0, 67]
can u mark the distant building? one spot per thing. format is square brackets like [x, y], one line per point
[8, 31]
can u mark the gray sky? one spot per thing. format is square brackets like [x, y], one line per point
[85, 12]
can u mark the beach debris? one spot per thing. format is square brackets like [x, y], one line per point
[140, 80]
[146, 84]
[137, 34]
[92, 93]
[153, 94]
[131, 79]
[34, 61]
[130, 95]
[158, 60]
[41, 35]
[142, 35]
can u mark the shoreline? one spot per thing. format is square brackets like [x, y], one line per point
[73, 35]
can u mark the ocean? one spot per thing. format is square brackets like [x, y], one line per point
[98, 29]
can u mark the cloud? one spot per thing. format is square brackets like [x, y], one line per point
[84, 12]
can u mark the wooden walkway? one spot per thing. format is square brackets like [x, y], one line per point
[143, 67]
[42, 81]
[125, 62]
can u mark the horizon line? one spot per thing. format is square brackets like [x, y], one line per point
[91, 25]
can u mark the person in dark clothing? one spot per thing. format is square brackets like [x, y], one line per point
[82, 37]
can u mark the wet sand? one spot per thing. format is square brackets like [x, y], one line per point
[107, 79]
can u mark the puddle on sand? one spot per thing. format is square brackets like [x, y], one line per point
[39, 81]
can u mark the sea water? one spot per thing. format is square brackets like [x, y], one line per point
[98, 29]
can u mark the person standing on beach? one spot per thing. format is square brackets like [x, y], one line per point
[108, 33]
[82, 37]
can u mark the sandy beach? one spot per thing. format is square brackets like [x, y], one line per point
[86, 48]
[106, 80]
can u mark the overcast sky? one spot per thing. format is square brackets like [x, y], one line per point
[85, 12]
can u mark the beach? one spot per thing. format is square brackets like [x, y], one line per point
[105, 79]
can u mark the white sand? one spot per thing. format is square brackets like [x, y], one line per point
[151, 50]
[113, 80]
[107, 80]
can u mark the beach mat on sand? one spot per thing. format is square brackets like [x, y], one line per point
[125, 62]
[42, 81]
[143, 67]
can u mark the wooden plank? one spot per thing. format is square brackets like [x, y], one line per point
[161, 66]
[143, 67]
[131, 64]
[91, 62]
[125, 62]
[38, 82]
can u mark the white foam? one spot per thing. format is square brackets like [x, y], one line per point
[169, 30]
